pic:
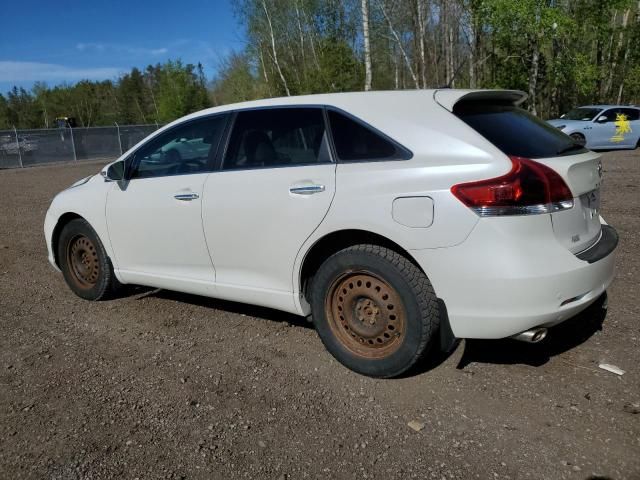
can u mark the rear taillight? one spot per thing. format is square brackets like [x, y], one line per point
[529, 188]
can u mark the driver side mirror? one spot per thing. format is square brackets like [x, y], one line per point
[602, 119]
[114, 173]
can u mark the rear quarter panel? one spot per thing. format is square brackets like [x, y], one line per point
[445, 151]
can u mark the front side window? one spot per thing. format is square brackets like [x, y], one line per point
[357, 142]
[611, 115]
[277, 137]
[583, 113]
[632, 114]
[185, 149]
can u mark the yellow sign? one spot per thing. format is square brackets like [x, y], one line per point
[622, 127]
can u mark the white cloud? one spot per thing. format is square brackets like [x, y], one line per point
[16, 72]
[90, 46]
[122, 49]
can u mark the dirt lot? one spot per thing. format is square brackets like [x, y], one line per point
[166, 385]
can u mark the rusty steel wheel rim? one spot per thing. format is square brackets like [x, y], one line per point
[366, 314]
[83, 262]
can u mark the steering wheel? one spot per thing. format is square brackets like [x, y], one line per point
[172, 156]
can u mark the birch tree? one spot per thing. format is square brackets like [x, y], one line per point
[367, 45]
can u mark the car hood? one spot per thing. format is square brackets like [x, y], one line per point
[556, 122]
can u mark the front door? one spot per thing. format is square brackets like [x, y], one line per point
[155, 218]
[275, 187]
[603, 132]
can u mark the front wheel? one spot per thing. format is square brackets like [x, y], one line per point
[84, 262]
[579, 139]
[375, 311]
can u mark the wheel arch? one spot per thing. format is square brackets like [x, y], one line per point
[63, 220]
[338, 240]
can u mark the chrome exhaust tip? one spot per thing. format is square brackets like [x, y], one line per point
[534, 335]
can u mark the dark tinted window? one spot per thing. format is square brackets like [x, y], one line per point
[515, 131]
[610, 115]
[354, 141]
[182, 150]
[582, 113]
[631, 113]
[276, 137]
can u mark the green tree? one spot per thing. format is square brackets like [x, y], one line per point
[133, 99]
[179, 91]
[5, 117]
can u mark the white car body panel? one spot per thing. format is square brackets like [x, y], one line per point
[141, 234]
[512, 275]
[245, 238]
[253, 249]
[86, 201]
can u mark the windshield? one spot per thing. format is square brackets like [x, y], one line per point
[585, 114]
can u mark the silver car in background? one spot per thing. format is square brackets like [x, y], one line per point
[602, 126]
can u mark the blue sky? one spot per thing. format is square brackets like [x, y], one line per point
[66, 41]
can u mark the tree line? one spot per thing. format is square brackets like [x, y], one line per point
[563, 53]
[159, 94]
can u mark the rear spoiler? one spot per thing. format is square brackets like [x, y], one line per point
[447, 98]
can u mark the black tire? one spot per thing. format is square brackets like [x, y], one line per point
[84, 262]
[356, 284]
[579, 139]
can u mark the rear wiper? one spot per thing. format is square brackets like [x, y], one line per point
[568, 148]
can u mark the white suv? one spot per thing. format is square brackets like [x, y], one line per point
[398, 221]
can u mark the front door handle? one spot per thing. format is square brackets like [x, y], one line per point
[306, 189]
[186, 197]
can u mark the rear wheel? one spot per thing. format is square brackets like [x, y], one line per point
[84, 262]
[374, 310]
[578, 138]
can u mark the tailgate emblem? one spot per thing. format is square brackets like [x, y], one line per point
[575, 238]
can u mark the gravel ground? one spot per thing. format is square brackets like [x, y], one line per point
[166, 385]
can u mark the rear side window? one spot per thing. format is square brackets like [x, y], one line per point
[357, 142]
[515, 131]
[277, 137]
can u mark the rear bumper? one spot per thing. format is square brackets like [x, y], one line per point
[511, 275]
[603, 247]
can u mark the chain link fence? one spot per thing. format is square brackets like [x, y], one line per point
[24, 148]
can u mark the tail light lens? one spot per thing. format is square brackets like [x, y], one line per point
[529, 188]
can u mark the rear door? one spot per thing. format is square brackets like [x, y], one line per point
[629, 127]
[518, 133]
[274, 188]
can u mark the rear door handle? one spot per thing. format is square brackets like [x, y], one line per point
[186, 197]
[306, 189]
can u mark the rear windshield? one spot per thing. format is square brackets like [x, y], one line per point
[515, 131]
